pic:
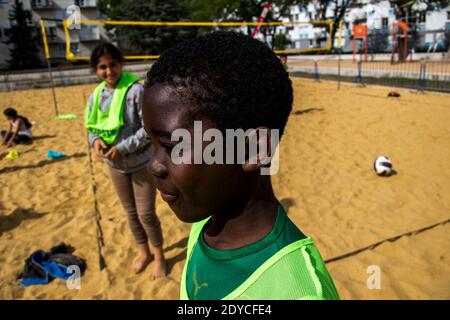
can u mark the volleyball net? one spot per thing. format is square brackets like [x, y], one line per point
[308, 37]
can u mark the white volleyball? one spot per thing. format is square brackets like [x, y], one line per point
[383, 166]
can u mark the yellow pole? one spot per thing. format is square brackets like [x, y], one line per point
[44, 40]
[330, 45]
[198, 23]
[69, 54]
[340, 35]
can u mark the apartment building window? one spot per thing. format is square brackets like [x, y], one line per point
[41, 3]
[448, 15]
[85, 3]
[422, 17]
[74, 47]
[51, 33]
[2, 34]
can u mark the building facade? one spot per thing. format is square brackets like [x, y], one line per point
[426, 28]
[83, 40]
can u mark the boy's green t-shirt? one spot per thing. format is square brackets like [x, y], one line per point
[213, 274]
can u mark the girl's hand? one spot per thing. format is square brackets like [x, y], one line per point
[113, 154]
[98, 147]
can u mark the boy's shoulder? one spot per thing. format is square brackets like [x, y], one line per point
[297, 271]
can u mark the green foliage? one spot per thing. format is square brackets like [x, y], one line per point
[238, 10]
[24, 51]
[147, 39]
[281, 41]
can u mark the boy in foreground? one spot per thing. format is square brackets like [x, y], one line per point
[242, 244]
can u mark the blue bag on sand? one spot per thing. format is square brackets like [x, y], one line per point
[42, 267]
[54, 154]
[34, 270]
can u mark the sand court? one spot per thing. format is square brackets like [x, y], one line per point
[326, 183]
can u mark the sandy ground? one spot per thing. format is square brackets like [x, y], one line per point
[326, 183]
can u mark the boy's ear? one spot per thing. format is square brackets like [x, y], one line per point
[258, 149]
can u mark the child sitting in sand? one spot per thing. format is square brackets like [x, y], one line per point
[242, 244]
[19, 130]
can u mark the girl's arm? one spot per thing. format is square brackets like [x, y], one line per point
[14, 132]
[95, 142]
[7, 133]
[91, 136]
[139, 138]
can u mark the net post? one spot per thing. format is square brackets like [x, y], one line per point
[49, 67]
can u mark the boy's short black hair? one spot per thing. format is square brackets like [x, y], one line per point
[233, 79]
[103, 49]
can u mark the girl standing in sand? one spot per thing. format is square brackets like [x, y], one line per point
[113, 118]
[19, 130]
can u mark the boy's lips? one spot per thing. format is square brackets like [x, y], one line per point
[168, 197]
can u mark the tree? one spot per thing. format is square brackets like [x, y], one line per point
[337, 8]
[146, 39]
[240, 10]
[281, 41]
[22, 37]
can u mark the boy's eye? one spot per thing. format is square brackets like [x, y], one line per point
[167, 146]
[147, 136]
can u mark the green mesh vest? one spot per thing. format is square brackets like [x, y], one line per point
[295, 272]
[107, 124]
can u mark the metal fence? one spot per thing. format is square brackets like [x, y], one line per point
[418, 75]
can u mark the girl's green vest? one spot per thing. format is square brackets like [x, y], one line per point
[107, 124]
[295, 272]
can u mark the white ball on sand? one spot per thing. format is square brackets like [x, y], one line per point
[383, 166]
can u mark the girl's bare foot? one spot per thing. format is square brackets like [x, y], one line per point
[141, 262]
[159, 269]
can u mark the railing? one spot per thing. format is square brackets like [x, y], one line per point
[20, 80]
[91, 33]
